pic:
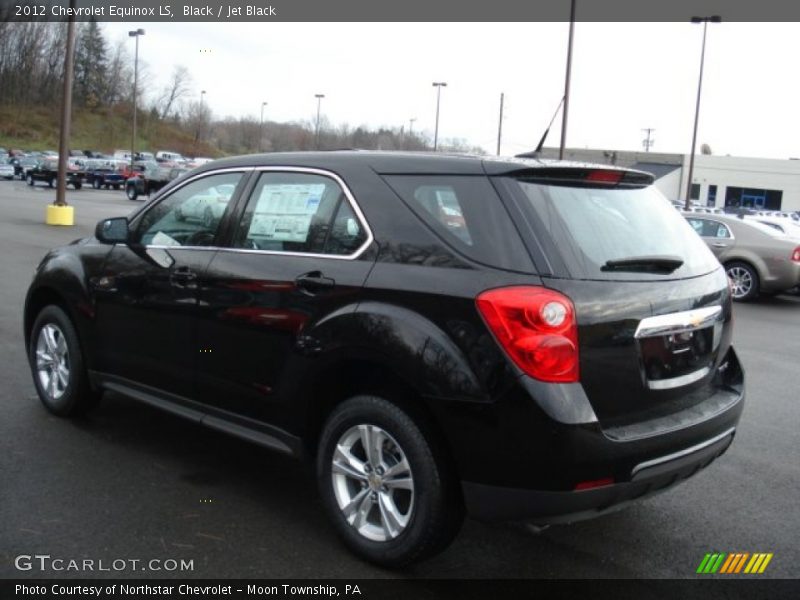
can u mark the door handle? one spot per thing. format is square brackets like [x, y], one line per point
[182, 277]
[719, 245]
[313, 281]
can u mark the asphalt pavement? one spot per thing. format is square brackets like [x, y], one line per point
[130, 482]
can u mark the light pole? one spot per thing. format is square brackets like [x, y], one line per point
[319, 98]
[705, 21]
[438, 85]
[261, 126]
[564, 114]
[66, 113]
[411, 126]
[199, 123]
[500, 123]
[135, 34]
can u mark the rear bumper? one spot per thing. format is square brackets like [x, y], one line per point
[544, 507]
[639, 460]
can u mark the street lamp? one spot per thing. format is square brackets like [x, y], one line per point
[261, 126]
[705, 21]
[135, 34]
[438, 85]
[319, 98]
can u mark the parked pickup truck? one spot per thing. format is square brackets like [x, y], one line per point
[106, 173]
[150, 179]
[46, 170]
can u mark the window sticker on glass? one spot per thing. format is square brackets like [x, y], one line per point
[284, 211]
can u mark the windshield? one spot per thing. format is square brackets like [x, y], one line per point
[596, 228]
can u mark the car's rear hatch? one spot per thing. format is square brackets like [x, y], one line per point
[652, 302]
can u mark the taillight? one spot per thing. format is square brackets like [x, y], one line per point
[537, 328]
[796, 254]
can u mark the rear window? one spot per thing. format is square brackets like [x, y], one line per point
[592, 226]
[467, 214]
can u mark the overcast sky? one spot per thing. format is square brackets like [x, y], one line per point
[625, 77]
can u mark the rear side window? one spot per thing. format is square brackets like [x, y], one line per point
[467, 214]
[711, 229]
[591, 228]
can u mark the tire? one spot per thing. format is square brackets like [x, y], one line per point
[115, 186]
[131, 192]
[96, 183]
[54, 348]
[51, 182]
[77, 185]
[425, 517]
[745, 283]
[30, 180]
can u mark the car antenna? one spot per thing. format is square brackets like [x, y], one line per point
[535, 153]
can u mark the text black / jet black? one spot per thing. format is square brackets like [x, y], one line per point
[512, 339]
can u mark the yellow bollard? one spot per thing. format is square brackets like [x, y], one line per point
[60, 215]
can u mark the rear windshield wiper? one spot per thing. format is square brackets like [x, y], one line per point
[644, 264]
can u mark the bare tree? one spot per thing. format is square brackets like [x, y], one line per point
[179, 86]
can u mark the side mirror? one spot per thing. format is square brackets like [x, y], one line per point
[112, 231]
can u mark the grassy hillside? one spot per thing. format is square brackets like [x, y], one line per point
[37, 128]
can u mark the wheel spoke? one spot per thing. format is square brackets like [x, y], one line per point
[50, 339]
[363, 511]
[347, 464]
[43, 359]
[63, 375]
[372, 440]
[51, 383]
[61, 346]
[391, 519]
[399, 468]
[400, 483]
[351, 507]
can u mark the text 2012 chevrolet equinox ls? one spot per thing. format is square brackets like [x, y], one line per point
[513, 339]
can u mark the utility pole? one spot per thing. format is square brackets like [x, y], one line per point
[647, 143]
[411, 126]
[135, 34]
[438, 85]
[66, 111]
[705, 21]
[319, 98]
[500, 123]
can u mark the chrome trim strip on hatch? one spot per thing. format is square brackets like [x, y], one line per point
[679, 322]
[673, 382]
[675, 455]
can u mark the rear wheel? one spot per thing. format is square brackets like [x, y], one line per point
[744, 281]
[59, 371]
[30, 179]
[51, 182]
[387, 489]
[77, 185]
[131, 192]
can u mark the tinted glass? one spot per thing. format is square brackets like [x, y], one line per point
[190, 215]
[591, 226]
[708, 228]
[294, 212]
[467, 214]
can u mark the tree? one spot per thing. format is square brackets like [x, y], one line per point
[91, 63]
[179, 86]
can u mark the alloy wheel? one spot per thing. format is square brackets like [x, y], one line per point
[373, 483]
[52, 361]
[741, 281]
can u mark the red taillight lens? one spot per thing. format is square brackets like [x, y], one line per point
[537, 328]
[605, 176]
[796, 254]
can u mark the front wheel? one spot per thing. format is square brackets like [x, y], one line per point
[744, 281]
[77, 185]
[57, 364]
[385, 484]
[131, 192]
[30, 180]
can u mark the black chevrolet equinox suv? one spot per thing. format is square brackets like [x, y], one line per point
[439, 335]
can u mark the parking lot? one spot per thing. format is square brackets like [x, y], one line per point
[134, 483]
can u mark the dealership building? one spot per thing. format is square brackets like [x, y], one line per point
[762, 183]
